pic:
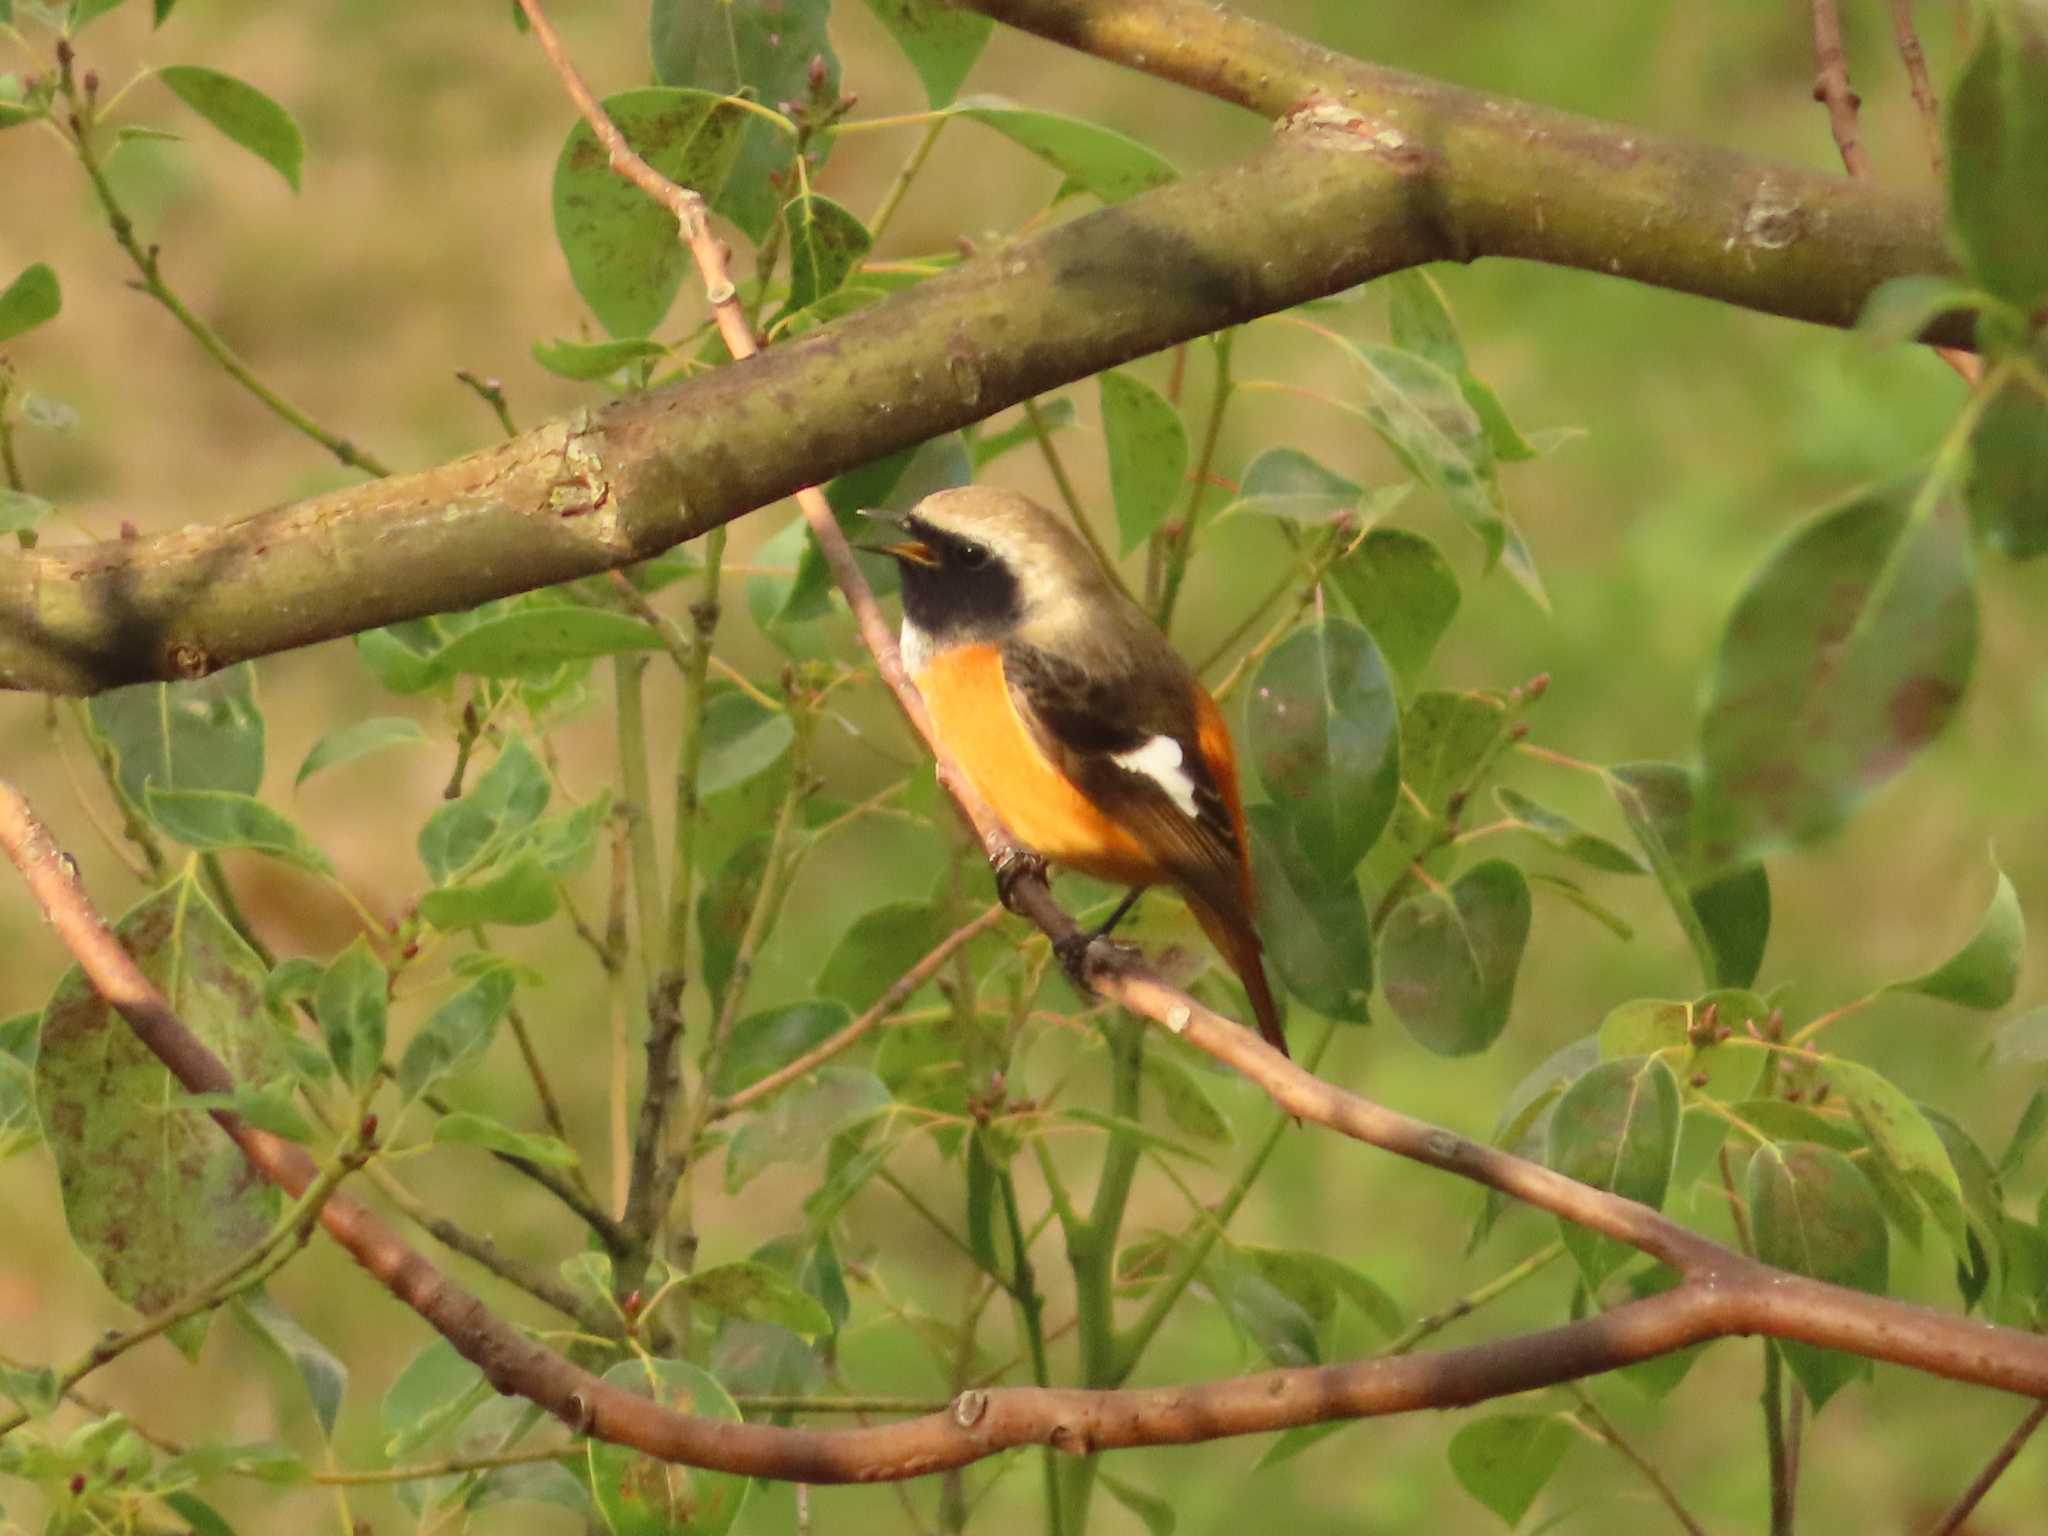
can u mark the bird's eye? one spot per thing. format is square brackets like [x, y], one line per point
[973, 556]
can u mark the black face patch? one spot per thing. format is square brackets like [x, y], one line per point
[967, 591]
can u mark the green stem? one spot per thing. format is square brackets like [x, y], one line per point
[893, 198]
[224, 896]
[1182, 546]
[704, 615]
[1023, 1288]
[1774, 1442]
[1422, 1328]
[1068, 498]
[147, 263]
[636, 781]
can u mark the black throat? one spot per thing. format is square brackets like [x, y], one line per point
[969, 593]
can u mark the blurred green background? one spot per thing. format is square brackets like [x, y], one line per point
[421, 243]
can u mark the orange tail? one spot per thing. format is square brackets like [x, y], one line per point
[1238, 942]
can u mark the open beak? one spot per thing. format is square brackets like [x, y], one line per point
[906, 546]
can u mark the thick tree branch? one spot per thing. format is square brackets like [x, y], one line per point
[1382, 171]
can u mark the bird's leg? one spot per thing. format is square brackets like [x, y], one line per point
[1072, 951]
[1123, 910]
[1012, 865]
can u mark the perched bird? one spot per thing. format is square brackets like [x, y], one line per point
[1072, 715]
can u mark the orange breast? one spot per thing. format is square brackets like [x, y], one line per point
[970, 704]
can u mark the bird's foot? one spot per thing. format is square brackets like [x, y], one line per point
[1086, 951]
[1011, 866]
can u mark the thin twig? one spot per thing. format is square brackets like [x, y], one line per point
[81, 121]
[1915, 59]
[1604, 1430]
[1041, 429]
[1831, 87]
[900, 989]
[1959, 1513]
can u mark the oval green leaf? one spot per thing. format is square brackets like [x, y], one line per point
[1848, 654]
[1616, 1129]
[1985, 973]
[1148, 455]
[825, 244]
[1317, 935]
[212, 819]
[1448, 963]
[1403, 591]
[1095, 159]
[1325, 731]
[241, 112]
[620, 244]
[1505, 1461]
[158, 1199]
[31, 299]
[639, 1496]
[940, 41]
[1813, 1213]
[346, 743]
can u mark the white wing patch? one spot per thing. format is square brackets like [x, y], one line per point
[1162, 761]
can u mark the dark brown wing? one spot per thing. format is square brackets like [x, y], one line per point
[1107, 734]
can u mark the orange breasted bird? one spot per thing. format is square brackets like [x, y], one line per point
[1073, 715]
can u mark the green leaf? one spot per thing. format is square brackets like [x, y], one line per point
[880, 946]
[1576, 895]
[34, 1389]
[941, 42]
[1902, 1137]
[473, 1130]
[1275, 1321]
[825, 244]
[520, 895]
[639, 1496]
[1154, 1512]
[1098, 160]
[2026, 1134]
[156, 1196]
[1404, 592]
[795, 1125]
[588, 361]
[1814, 1214]
[1287, 483]
[211, 819]
[457, 1034]
[267, 1106]
[723, 909]
[742, 739]
[435, 1392]
[31, 299]
[346, 743]
[1448, 963]
[1325, 731]
[1997, 144]
[621, 245]
[1419, 321]
[758, 1294]
[1148, 455]
[1505, 1461]
[1727, 919]
[759, 51]
[496, 810]
[321, 1371]
[198, 735]
[1848, 653]
[1421, 414]
[2007, 487]
[1726, 1070]
[241, 112]
[1183, 1099]
[19, 1129]
[1899, 310]
[21, 514]
[763, 1042]
[529, 639]
[1317, 935]
[1566, 836]
[352, 1006]
[1616, 1129]
[1447, 742]
[1985, 973]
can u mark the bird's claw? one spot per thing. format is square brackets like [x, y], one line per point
[1011, 866]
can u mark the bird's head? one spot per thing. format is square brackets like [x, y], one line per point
[978, 562]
